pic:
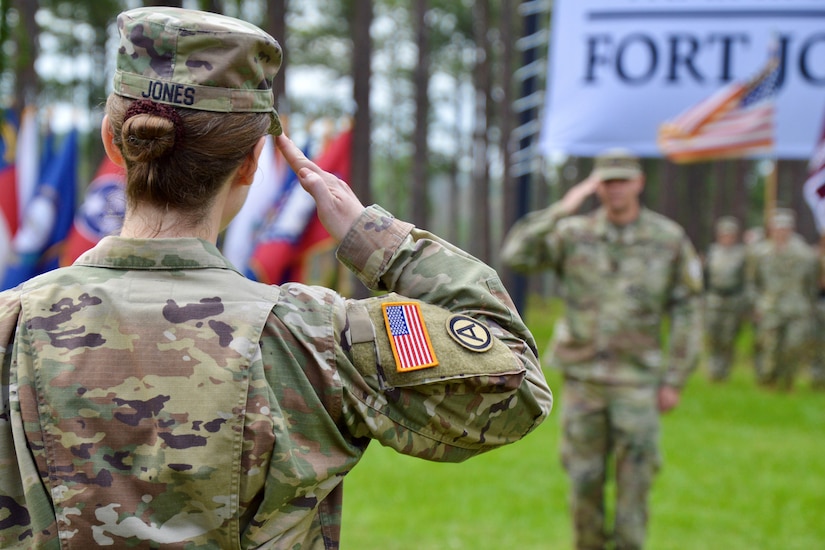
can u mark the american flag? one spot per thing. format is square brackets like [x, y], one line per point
[736, 121]
[814, 188]
[408, 336]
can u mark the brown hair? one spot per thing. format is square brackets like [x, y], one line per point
[181, 174]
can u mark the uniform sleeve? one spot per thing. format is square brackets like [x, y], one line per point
[530, 244]
[685, 317]
[24, 507]
[441, 367]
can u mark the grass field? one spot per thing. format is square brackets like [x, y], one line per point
[744, 468]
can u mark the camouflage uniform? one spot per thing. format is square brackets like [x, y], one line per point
[152, 393]
[726, 304]
[818, 337]
[784, 284]
[617, 284]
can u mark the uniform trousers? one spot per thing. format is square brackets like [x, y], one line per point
[609, 426]
[785, 342]
[724, 317]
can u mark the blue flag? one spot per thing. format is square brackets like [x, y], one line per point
[47, 218]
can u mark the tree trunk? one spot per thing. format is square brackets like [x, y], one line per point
[453, 201]
[420, 165]
[276, 26]
[26, 85]
[480, 220]
[510, 206]
[362, 57]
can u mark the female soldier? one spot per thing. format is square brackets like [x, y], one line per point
[153, 396]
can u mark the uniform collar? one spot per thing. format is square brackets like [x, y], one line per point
[181, 253]
[626, 234]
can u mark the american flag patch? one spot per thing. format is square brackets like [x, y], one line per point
[410, 342]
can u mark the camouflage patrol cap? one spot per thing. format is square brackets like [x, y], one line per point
[783, 218]
[727, 224]
[617, 164]
[197, 60]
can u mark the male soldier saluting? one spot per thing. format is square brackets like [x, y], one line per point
[622, 269]
[726, 299]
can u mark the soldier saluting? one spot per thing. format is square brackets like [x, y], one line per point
[621, 269]
[152, 395]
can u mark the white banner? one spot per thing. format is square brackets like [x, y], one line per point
[619, 68]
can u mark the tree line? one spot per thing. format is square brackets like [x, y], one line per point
[434, 104]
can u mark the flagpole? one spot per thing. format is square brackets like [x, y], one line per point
[770, 193]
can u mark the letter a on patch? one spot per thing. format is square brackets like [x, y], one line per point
[410, 342]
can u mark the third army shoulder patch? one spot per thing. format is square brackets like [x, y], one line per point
[470, 333]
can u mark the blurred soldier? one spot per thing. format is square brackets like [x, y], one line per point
[726, 302]
[783, 274]
[818, 362]
[621, 269]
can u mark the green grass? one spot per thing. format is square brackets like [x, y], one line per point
[744, 468]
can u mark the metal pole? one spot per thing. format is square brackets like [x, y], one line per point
[527, 108]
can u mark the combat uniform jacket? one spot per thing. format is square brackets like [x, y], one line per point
[725, 270]
[783, 282]
[726, 278]
[152, 393]
[618, 285]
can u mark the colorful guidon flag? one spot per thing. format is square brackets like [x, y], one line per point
[409, 339]
[814, 188]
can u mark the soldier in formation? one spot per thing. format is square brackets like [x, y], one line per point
[726, 299]
[622, 269]
[783, 279]
[153, 396]
[818, 346]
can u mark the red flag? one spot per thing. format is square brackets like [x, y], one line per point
[9, 210]
[286, 255]
[736, 121]
[814, 188]
[101, 213]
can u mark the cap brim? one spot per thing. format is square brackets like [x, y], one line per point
[605, 174]
[275, 127]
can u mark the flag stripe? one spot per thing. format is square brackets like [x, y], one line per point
[736, 121]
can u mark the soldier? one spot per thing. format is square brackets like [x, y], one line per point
[783, 275]
[151, 395]
[818, 346]
[726, 299]
[621, 269]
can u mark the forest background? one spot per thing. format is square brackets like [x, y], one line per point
[445, 98]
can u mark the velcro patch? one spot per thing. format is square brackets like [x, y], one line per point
[469, 333]
[409, 339]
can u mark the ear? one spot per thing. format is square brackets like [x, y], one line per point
[246, 173]
[641, 183]
[112, 150]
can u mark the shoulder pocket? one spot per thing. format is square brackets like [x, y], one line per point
[406, 342]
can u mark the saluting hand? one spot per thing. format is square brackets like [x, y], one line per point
[337, 205]
[576, 195]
